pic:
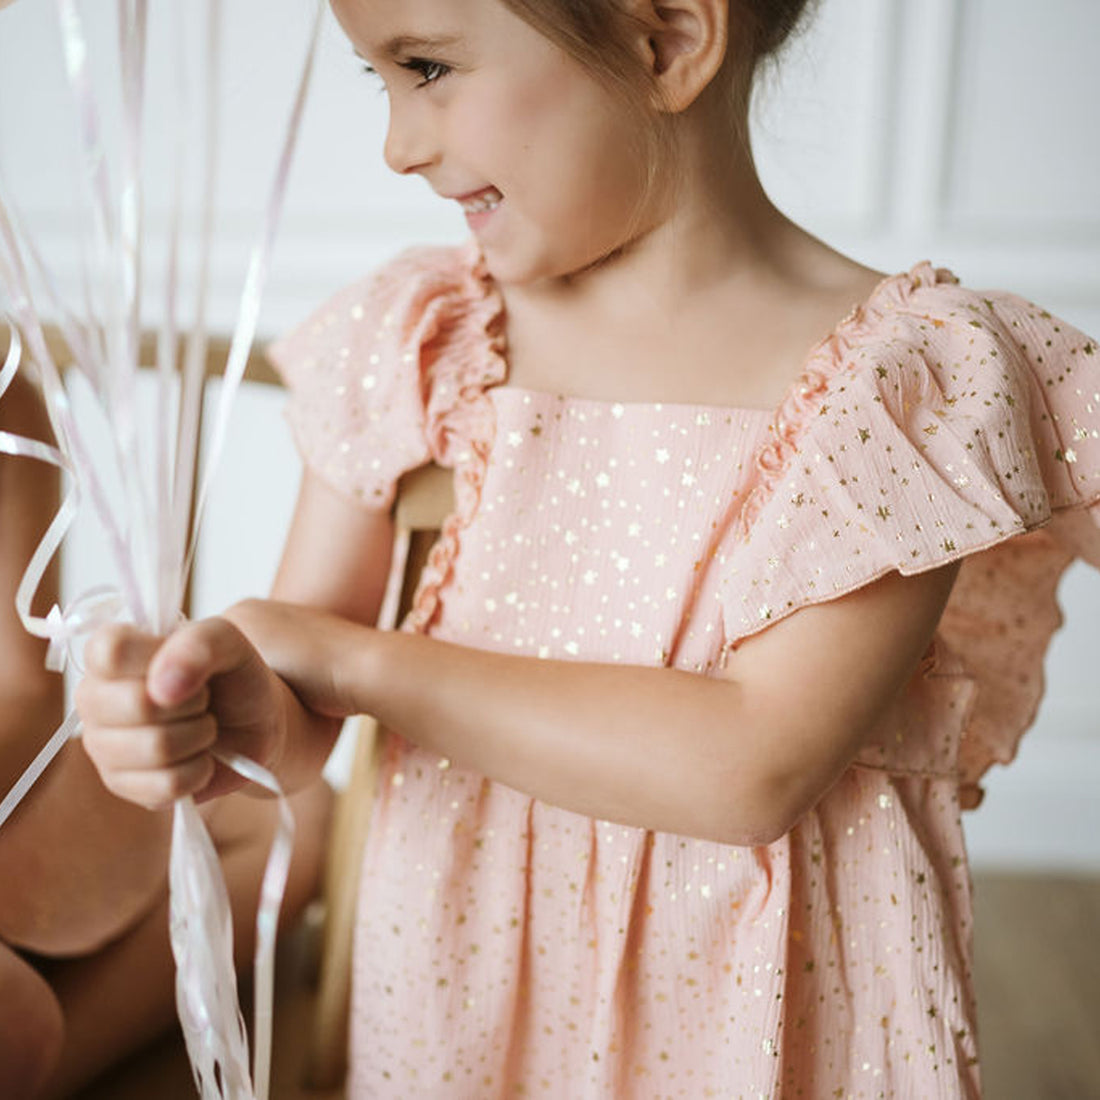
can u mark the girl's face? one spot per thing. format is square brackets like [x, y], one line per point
[547, 165]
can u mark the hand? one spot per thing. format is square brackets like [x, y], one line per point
[311, 650]
[153, 709]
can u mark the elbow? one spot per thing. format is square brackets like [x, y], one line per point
[740, 830]
[758, 811]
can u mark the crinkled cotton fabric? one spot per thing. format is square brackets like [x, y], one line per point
[507, 947]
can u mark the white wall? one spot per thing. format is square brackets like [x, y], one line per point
[963, 131]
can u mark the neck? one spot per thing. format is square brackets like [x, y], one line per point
[718, 226]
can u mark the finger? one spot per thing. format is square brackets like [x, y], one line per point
[194, 654]
[127, 703]
[224, 781]
[119, 651]
[151, 747]
[158, 790]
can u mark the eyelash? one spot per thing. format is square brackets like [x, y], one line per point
[430, 71]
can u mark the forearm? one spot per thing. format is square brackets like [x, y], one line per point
[738, 757]
[657, 748]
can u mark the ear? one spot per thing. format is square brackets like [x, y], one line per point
[685, 45]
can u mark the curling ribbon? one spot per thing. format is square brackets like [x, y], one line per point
[54, 626]
[201, 978]
[61, 628]
[106, 352]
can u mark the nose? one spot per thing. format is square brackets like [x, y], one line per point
[411, 142]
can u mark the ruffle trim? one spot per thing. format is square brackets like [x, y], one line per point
[460, 418]
[825, 362]
[986, 735]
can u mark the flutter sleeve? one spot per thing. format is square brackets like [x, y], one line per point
[380, 376]
[938, 424]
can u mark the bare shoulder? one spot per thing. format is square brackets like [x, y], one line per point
[758, 332]
[825, 285]
[796, 301]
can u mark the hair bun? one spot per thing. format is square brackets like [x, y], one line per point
[773, 22]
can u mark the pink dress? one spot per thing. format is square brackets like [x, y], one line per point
[510, 948]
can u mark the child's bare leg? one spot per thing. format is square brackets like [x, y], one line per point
[88, 865]
[124, 996]
[30, 1027]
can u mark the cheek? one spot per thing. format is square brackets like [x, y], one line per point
[492, 135]
[507, 117]
[554, 142]
[597, 180]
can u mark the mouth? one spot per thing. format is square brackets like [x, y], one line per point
[480, 202]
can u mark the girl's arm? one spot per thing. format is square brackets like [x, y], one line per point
[737, 758]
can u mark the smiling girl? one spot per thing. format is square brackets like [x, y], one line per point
[717, 641]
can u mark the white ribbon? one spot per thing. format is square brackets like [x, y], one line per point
[154, 545]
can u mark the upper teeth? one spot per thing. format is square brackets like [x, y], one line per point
[487, 200]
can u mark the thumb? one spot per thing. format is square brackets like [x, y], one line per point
[192, 656]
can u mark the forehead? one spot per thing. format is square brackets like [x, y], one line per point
[390, 27]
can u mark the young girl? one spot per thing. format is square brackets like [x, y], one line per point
[720, 636]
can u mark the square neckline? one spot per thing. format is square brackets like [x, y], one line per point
[507, 388]
[823, 355]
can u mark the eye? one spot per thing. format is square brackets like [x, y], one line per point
[429, 71]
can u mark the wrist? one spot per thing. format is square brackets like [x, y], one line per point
[359, 670]
[303, 736]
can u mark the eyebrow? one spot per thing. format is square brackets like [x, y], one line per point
[409, 43]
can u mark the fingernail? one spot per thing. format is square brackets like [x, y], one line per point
[171, 683]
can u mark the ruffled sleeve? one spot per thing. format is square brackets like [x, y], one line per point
[935, 424]
[383, 375]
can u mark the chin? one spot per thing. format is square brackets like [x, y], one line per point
[509, 268]
[531, 270]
